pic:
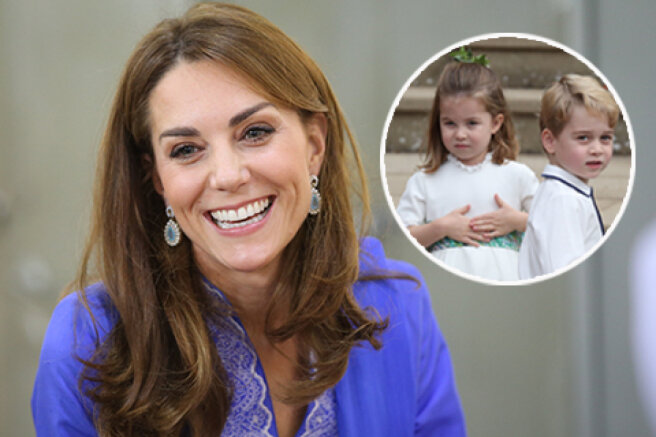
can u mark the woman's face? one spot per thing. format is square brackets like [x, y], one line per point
[234, 167]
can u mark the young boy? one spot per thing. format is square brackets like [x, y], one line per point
[577, 123]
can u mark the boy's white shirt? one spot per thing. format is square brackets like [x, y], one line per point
[563, 224]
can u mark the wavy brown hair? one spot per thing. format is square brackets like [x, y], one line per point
[158, 371]
[471, 80]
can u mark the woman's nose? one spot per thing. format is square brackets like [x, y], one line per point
[228, 169]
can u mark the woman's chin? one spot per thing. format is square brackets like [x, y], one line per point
[236, 260]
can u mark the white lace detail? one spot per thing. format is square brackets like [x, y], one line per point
[469, 168]
[249, 415]
[321, 421]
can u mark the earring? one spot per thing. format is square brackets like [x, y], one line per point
[172, 229]
[315, 202]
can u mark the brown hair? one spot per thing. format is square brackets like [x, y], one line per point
[158, 372]
[472, 80]
[574, 89]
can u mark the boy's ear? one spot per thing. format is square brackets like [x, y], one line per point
[150, 172]
[548, 141]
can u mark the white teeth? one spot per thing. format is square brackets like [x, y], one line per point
[244, 215]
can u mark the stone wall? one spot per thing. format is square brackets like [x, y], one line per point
[526, 68]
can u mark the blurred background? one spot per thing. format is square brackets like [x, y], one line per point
[552, 359]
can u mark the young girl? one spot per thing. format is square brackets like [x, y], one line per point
[468, 203]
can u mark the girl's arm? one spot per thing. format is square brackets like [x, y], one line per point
[500, 222]
[412, 210]
[454, 225]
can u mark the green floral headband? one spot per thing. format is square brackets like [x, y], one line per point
[464, 54]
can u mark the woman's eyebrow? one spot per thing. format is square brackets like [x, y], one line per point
[180, 132]
[243, 115]
[235, 120]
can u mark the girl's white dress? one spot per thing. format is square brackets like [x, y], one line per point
[429, 196]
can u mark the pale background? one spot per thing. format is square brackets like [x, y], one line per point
[552, 359]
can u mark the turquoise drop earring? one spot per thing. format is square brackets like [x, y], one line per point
[172, 229]
[315, 202]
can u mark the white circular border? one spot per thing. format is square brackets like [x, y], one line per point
[531, 37]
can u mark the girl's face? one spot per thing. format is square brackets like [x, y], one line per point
[467, 128]
[234, 167]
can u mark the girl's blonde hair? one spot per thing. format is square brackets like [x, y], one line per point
[471, 80]
[158, 371]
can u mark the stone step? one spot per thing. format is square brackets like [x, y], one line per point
[520, 100]
[525, 68]
[407, 129]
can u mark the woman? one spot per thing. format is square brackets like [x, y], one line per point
[242, 319]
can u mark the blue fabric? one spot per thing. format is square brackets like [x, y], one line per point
[405, 389]
[251, 408]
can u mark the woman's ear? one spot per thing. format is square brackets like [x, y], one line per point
[548, 141]
[150, 172]
[317, 130]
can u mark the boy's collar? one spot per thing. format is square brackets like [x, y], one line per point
[558, 172]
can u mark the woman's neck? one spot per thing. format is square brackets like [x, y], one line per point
[249, 301]
[249, 293]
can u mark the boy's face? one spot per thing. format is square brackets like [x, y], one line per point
[584, 146]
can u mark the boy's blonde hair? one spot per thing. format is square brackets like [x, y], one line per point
[572, 89]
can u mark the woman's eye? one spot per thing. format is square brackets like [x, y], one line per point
[183, 151]
[258, 133]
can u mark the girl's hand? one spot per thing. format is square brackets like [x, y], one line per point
[457, 226]
[500, 222]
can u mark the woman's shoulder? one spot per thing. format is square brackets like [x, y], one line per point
[77, 326]
[388, 283]
[374, 261]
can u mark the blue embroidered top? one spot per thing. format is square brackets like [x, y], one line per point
[405, 389]
[251, 410]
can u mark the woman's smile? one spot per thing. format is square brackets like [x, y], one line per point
[240, 216]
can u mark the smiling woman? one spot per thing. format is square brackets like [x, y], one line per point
[215, 163]
[244, 319]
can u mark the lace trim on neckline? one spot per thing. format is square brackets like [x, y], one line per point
[249, 413]
[469, 168]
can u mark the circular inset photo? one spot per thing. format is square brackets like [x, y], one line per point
[507, 158]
